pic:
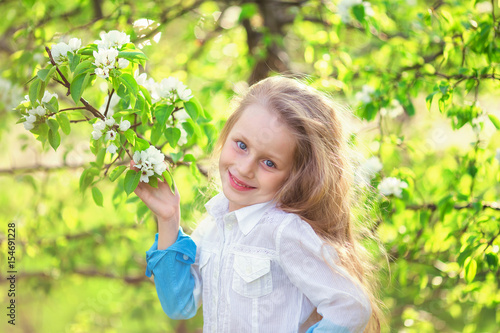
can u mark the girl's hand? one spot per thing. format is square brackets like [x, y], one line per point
[161, 201]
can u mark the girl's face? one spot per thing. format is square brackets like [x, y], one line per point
[256, 158]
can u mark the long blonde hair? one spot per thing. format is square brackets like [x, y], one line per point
[319, 188]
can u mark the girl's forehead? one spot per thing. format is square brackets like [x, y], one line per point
[263, 130]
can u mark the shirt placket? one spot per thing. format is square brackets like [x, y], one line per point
[218, 315]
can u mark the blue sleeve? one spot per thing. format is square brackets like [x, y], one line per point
[324, 326]
[172, 274]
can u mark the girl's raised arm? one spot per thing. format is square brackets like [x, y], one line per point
[166, 206]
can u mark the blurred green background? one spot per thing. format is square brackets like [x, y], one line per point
[422, 78]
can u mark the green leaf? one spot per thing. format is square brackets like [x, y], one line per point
[78, 85]
[494, 120]
[428, 100]
[176, 156]
[74, 61]
[131, 136]
[97, 196]
[470, 269]
[211, 133]
[43, 74]
[100, 158]
[83, 67]
[131, 181]
[153, 181]
[134, 56]
[193, 108]
[146, 94]
[53, 135]
[173, 135]
[54, 139]
[156, 133]
[189, 128]
[35, 89]
[141, 144]
[169, 179]
[53, 125]
[117, 172]
[86, 179]
[189, 158]
[469, 85]
[492, 260]
[130, 83]
[63, 121]
[162, 112]
[359, 12]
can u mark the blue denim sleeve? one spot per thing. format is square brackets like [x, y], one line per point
[172, 274]
[324, 326]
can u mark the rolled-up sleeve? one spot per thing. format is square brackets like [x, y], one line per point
[312, 267]
[172, 275]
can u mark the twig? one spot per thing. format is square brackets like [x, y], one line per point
[109, 101]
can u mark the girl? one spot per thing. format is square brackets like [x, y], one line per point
[276, 253]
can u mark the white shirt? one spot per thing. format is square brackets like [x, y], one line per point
[259, 269]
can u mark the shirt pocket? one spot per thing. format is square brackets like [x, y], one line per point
[204, 259]
[252, 276]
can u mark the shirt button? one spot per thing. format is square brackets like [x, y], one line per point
[185, 257]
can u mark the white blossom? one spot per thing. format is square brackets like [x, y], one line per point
[145, 174]
[497, 156]
[110, 135]
[368, 8]
[149, 161]
[96, 135]
[74, 44]
[159, 168]
[28, 126]
[105, 58]
[184, 93]
[124, 125]
[99, 125]
[369, 169]
[392, 186]
[38, 111]
[103, 73]
[141, 79]
[112, 39]
[60, 52]
[171, 89]
[111, 149]
[30, 118]
[393, 110]
[365, 94]
[344, 9]
[48, 96]
[110, 121]
[123, 63]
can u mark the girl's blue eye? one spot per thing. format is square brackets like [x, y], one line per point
[241, 145]
[269, 163]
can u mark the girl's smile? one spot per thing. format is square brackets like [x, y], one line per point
[256, 158]
[238, 184]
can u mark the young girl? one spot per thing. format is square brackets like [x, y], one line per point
[276, 253]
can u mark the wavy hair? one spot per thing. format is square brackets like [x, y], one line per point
[320, 186]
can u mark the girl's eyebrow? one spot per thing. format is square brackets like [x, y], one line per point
[272, 156]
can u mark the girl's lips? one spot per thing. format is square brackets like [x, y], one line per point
[238, 184]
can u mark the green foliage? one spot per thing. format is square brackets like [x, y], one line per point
[421, 76]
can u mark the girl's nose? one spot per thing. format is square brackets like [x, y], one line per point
[246, 167]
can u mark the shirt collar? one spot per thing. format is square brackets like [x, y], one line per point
[247, 217]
